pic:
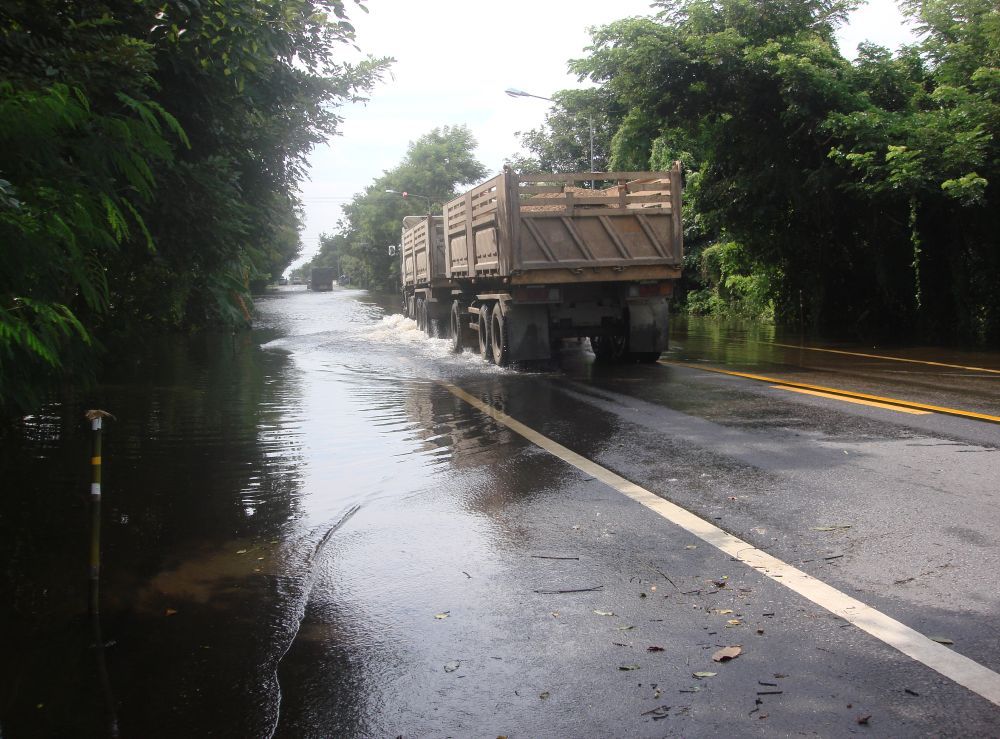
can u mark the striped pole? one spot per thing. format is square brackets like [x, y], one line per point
[96, 418]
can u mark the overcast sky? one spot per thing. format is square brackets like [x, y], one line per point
[454, 59]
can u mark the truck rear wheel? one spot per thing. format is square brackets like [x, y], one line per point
[423, 321]
[609, 348]
[498, 337]
[485, 347]
[458, 338]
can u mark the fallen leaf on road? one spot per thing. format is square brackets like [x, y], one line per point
[654, 648]
[624, 628]
[725, 611]
[832, 528]
[734, 622]
[544, 695]
[701, 675]
[170, 612]
[692, 689]
[942, 640]
[628, 667]
[241, 551]
[445, 614]
[727, 653]
[658, 712]
[864, 719]
[604, 613]
[691, 546]
[452, 666]
[555, 614]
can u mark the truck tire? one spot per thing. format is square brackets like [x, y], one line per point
[457, 343]
[418, 313]
[609, 348]
[498, 337]
[423, 322]
[485, 347]
[462, 336]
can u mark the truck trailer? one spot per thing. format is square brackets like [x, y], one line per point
[321, 278]
[524, 260]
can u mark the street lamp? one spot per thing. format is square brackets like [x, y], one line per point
[516, 93]
[406, 195]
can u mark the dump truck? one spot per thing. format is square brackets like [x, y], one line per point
[525, 260]
[321, 278]
[427, 290]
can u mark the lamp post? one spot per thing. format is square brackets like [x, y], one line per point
[405, 195]
[516, 93]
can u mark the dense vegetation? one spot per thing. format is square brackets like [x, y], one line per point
[434, 167]
[854, 197]
[149, 155]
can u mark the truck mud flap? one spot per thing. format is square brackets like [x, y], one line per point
[649, 325]
[527, 332]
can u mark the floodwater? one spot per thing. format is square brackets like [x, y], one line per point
[253, 484]
[228, 467]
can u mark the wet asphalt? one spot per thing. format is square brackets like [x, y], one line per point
[455, 631]
[328, 542]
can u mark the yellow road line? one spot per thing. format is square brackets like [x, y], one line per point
[956, 667]
[858, 401]
[883, 356]
[843, 393]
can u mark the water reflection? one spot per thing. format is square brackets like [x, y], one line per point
[232, 460]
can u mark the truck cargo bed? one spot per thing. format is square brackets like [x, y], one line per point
[534, 228]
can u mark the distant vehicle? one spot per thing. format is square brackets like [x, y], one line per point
[522, 261]
[282, 280]
[321, 278]
[343, 280]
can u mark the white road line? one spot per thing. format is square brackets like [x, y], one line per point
[962, 670]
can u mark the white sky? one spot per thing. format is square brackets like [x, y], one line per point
[453, 63]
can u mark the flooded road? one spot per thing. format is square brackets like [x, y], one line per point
[308, 532]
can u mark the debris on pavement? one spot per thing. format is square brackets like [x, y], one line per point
[727, 653]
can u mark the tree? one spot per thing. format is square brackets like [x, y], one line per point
[435, 165]
[149, 155]
[563, 142]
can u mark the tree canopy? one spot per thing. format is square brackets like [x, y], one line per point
[856, 197]
[149, 155]
[434, 167]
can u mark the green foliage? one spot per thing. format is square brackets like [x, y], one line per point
[735, 286]
[149, 155]
[563, 142]
[861, 195]
[435, 165]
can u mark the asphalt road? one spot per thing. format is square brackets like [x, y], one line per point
[335, 527]
[516, 591]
